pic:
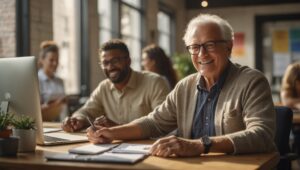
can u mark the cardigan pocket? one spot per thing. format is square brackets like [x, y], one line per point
[233, 122]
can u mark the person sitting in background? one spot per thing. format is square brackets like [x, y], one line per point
[52, 90]
[155, 60]
[290, 97]
[224, 107]
[290, 87]
[124, 96]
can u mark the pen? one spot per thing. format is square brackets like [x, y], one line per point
[91, 123]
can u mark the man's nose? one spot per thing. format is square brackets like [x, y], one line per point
[109, 66]
[202, 51]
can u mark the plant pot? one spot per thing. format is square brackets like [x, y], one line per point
[27, 139]
[9, 146]
[5, 133]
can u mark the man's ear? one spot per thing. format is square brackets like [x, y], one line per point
[129, 61]
[229, 46]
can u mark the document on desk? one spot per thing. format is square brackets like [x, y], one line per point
[49, 130]
[106, 157]
[67, 136]
[91, 149]
[132, 148]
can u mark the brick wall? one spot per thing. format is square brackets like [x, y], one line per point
[41, 24]
[7, 28]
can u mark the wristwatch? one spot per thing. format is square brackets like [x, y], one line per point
[206, 142]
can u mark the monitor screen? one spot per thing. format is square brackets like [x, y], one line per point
[20, 87]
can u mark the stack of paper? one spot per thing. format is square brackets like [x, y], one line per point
[114, 153]
[132, 148]
[92, 149]
[105, 157]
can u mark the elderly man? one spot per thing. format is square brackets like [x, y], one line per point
[124, 96]
[224, 107]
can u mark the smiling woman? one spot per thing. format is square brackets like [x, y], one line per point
[51, 87]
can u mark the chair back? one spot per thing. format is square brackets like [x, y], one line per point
[284, 118]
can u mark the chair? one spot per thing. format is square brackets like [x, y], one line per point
[284, 117]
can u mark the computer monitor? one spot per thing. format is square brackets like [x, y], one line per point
[20, 86]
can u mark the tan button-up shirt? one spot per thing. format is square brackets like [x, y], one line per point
[143, 92]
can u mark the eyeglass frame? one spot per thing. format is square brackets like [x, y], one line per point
[115, 61]
[205, 46]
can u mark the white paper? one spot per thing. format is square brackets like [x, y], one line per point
[67, 136]
[92, 148]
[48, 130]
[105, 157]
[132, 148]
[281, 61]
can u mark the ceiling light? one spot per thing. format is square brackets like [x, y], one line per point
[204, 3]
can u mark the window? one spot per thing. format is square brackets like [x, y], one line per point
[108, 20]
[165, 33]
[131, 26]
[66, 33]
[125, 23]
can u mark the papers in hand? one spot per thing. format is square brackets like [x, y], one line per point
[132, 148]
[92, 149]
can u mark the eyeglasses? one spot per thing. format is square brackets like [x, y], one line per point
[115, 61]
[208, 46]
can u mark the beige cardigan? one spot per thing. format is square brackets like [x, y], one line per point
[244, 112]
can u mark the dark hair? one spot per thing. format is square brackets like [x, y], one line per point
[114, 44]
[48, 46]
[162, 63]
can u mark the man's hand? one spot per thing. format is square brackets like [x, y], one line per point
[73, 124]
[104, 121]
[175, 146]
[100, 135]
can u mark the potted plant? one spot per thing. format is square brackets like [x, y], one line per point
[8, 144]
[183, 64]
[5, 121]
[24, 128]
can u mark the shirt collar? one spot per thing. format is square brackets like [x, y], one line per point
[219, 84]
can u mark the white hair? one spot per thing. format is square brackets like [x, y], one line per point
[224, 26]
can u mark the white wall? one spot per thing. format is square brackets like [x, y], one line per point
[242, 19]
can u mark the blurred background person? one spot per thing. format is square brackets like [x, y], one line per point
[156, 60]
[52, 92]
[290, 88]
[290, 97]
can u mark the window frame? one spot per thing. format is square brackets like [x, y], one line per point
[168, 11]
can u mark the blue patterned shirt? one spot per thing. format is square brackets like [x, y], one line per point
[203, 123]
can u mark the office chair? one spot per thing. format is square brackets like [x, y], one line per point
[284, 117]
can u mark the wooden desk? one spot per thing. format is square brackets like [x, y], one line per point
[31, 161]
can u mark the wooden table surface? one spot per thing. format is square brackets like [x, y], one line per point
[30, 161]
[36, 160]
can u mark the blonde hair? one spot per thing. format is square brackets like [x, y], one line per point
[292, 74]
